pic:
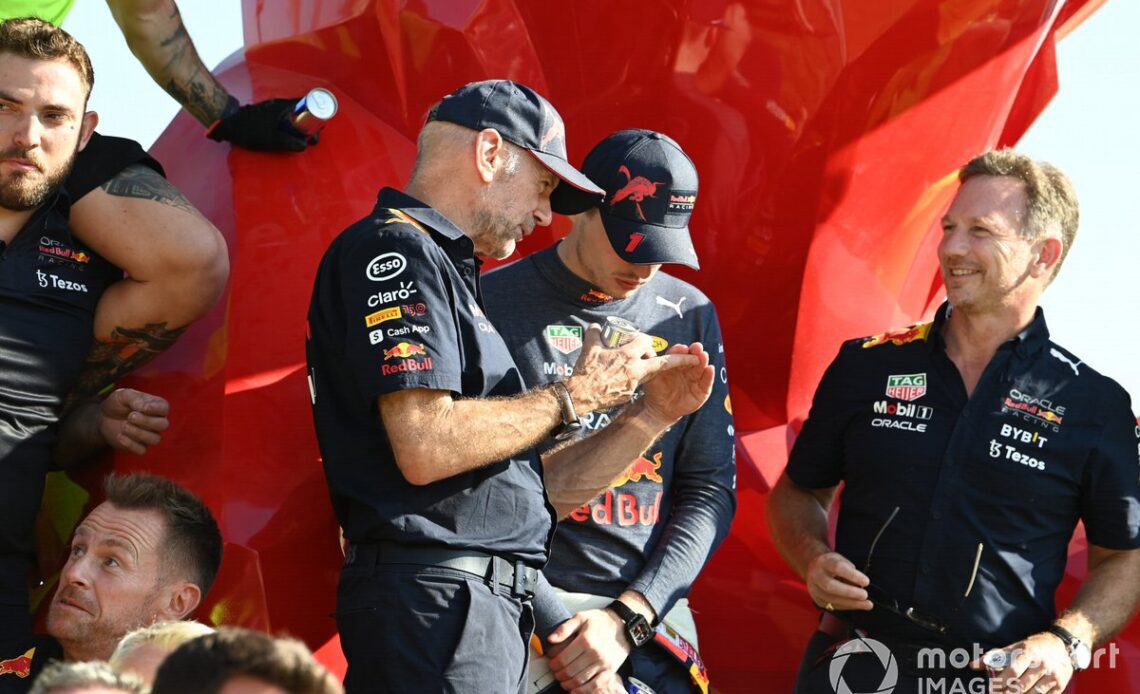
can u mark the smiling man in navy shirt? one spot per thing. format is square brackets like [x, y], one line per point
[969, 448]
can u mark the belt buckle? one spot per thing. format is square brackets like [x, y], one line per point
[524, 582]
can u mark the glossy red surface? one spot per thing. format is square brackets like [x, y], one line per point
[827, 134]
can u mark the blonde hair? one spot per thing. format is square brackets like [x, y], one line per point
[165, 635]
[59, 676]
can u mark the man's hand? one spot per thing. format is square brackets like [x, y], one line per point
[130, 420]
[261, 127]
[586, 651]
[835, 584]
[678, 392]
[1038, 664]
[604, 378]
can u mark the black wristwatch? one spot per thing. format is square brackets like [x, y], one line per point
[1079, 652]
[636, 627]
[571, 423]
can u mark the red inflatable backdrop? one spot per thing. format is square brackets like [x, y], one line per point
[827, 134]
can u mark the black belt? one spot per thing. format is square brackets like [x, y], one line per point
[516, 577]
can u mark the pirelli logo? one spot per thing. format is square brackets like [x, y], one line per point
[384, 314]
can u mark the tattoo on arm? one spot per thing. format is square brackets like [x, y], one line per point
[188, 79]
[139, 181]
[125, 351]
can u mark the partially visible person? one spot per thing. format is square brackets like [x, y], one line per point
[969, 449]
[156, 35]
[243, 661]
[636, 548]
[175, 259]
[86, 678]
[141, 651]
[426, 428]
[148, 553]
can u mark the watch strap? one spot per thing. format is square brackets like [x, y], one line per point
[1072, 643]
[637, 628]
[565, 402]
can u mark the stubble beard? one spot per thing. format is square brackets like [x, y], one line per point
[23, 191]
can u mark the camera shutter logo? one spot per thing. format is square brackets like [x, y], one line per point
[860, 647]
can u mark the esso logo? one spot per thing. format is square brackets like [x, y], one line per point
[385, 266]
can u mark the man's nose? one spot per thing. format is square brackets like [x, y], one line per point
[28, 131]
[74, 571]
[543, 215]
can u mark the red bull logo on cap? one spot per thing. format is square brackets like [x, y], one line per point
[20, 666]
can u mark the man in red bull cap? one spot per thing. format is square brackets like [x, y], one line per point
[969, 449]
[624, 561]
[430, 453]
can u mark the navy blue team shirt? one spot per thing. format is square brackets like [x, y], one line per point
[1043, 442]
[396, 305]
[667, 512]
[50, 285]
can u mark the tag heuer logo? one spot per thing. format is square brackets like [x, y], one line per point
[564, 338]
[906, 386]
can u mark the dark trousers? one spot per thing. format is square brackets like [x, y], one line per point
[660, 670]
[411, 628]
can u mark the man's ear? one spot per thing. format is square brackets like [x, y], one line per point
[1048, 251]
[86, 127]
[489, 145]
[183, 598]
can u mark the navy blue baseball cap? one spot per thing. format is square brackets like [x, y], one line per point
[651, 187]
[522, 116]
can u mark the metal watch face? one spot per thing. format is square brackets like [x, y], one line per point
[1081, 655]
[567, 430]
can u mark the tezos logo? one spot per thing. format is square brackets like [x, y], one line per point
[385, 266]
[857, 647]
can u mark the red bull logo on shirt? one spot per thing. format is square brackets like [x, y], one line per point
[407, 354]
[639, 469]
[20, 666]
[919, 331]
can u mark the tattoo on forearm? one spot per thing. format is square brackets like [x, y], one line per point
[186, 77]
[138, 181]
[125, 350]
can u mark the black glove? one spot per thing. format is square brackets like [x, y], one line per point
[263, 127]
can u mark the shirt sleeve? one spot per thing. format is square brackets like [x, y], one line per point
[704, 491]
[549, 611]
[102, 159]
[400, 319]
[1110, 495]
[816, 460]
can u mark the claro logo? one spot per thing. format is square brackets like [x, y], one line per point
[385, 266]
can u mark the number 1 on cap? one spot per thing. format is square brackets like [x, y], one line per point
[634, 239]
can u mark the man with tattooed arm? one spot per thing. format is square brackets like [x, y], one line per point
[72, 323]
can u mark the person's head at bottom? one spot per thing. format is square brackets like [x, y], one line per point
[242, 661]
[148, 553]
[85, 678]
[143, 650]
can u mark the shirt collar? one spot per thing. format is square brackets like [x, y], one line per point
[572, 287]
[422, 213]
[1028, 342]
